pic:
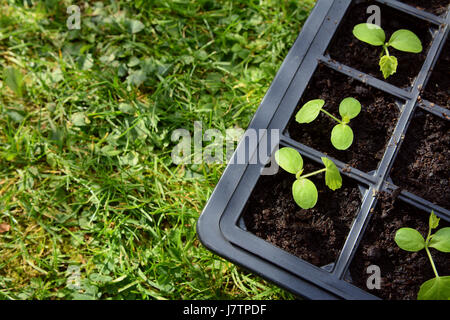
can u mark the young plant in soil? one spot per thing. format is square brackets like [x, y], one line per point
[342, 134]
[304, 190]
[403, 40]
[411, 240]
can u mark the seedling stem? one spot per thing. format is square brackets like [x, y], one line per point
[431, 260]
[386, 50]
[312, 173]
[331, 116]
[428, 251]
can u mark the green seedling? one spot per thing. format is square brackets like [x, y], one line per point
[411, 240]
[304, 190]
[342, 134]
[403, 40]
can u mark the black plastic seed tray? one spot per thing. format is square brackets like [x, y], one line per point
[221, 227]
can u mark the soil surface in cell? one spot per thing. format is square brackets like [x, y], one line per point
[316, 235]
[364, 57]
[402, 272]
[423, 163]
[372, 128]
[438, 87]
[437, 7]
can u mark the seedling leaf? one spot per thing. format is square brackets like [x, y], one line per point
[441, 240]
[341, 136]
[434, 220]
[305, 193]
[388, 65]
[409, 239]
[405, 40]
[349, 108]
[289, 159]
[369, 33]
[435, 289]
[309, 111]
[333, 178]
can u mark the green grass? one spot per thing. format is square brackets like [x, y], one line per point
[86, 177]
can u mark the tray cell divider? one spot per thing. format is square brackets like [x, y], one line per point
[411, 10]
[355, 235]
[435, 109]
[417, 201]
[366, 78]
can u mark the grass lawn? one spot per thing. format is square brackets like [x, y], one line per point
[91, 205]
